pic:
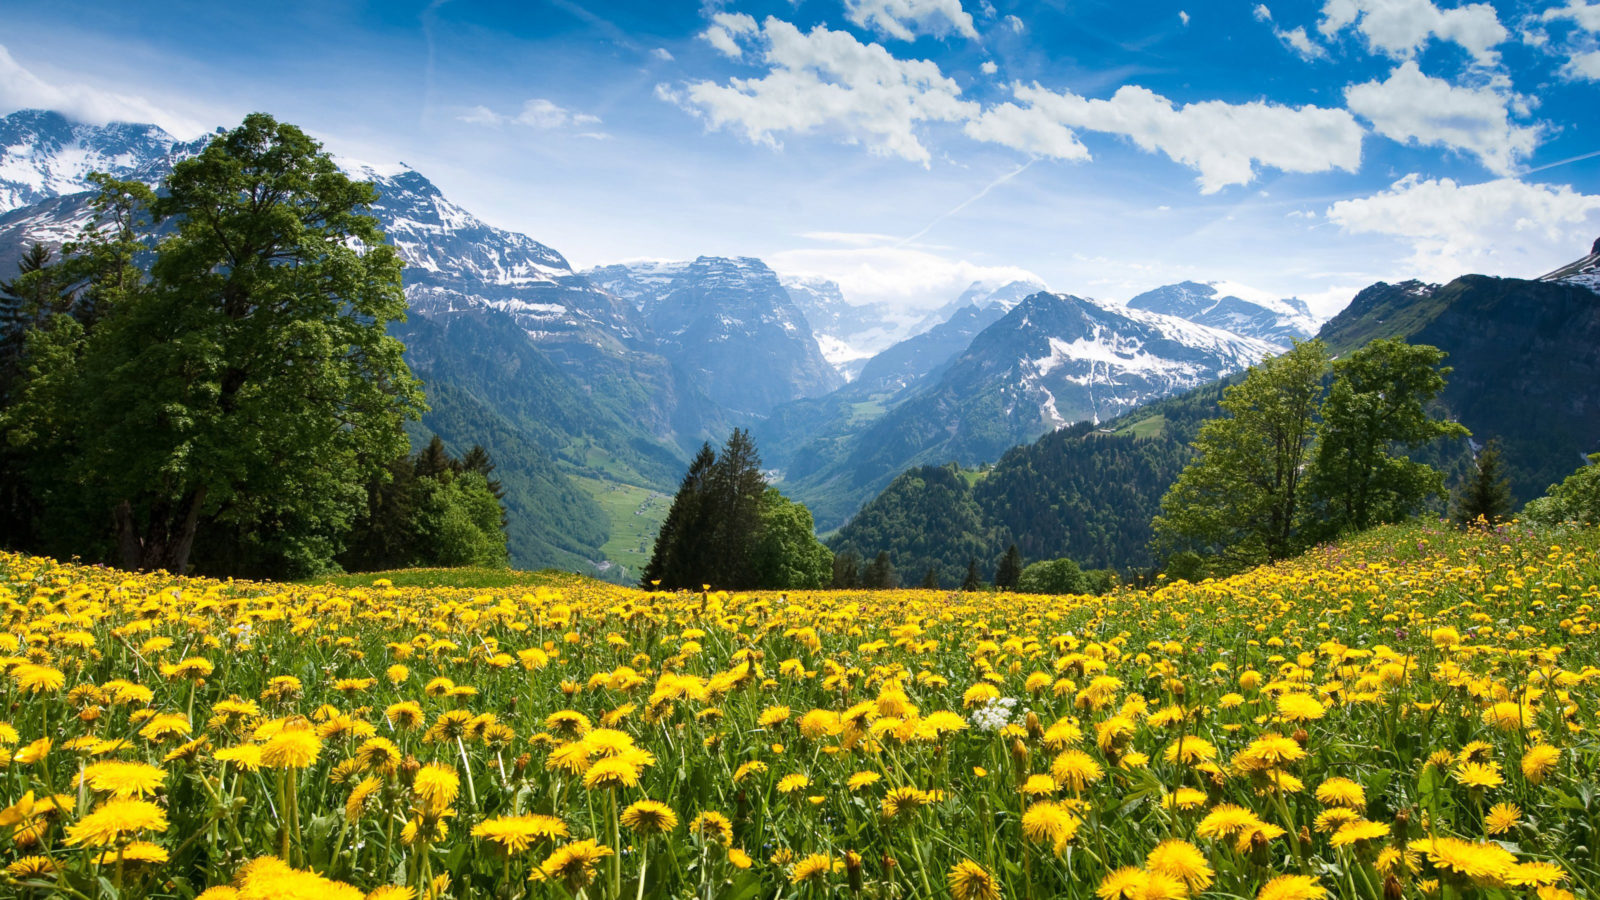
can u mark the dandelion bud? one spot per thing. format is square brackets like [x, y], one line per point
[1305, 836]
[1019, 754]
[1300, 736]
[521, 763]
[408, 770]
[1402, 818]
[1035, 727]
[852, 870]
[889, 863]
[1392, 889]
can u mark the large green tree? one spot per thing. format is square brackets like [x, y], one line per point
[249, 384]
[1575, 500]
[787, 555]
[1241, 496]
[1375, 413]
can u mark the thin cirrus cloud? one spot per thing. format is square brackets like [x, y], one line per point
[1413, 108]
[536, 113]
[1489, 227]
[21, 88]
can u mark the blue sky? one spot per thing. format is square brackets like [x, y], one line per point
[908, 147]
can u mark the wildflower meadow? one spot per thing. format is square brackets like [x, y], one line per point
[1407, 714]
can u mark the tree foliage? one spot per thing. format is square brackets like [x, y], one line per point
[232, 405]
[727, 528]
[430, 509]
[1241, 495]
[1486, 494]
[1575, 499]
[1374, 414]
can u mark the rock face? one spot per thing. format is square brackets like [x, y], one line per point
[1584, 272]
[1278, 323]
[731, 327]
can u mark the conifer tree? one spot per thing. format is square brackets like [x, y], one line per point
[736, 488]
[881, 576]
[930, 581]
[1486, 492]
[679, 556]
[1009, 570]
[973, 581]
[846, 571]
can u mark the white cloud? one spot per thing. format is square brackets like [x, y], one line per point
[1297, 40]
[1183, 17]
[1222, 141]
[1399, 28]
[1015, 24]
[536, 113]
[1261, 13]
[829, 80]
[1502, 227]
[1414, 108]
[989, 67]
[662, 54]
[904, 19]
[906, 278]
[1583, 66]
[22, 89]
[1586, 15]
[725, 30]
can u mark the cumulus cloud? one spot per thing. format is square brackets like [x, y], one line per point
[1261, 13]
[906, 278]
[1502, 227]
[1583, 62]
[825, 79]
[1414, 108]
[1585, 15]
[725, 31]
[1297, 40]
[662, 54]
[989, 67]
[1183, 17]
[904, 19]
[20, 88]
[1015, 24]
[536, 113]
[1400, 28]
[1583, 66]
[1224, 142]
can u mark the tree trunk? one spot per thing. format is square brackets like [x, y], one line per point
[168, 539]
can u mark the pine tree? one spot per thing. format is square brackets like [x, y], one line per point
[736, 491]
[1486, 492]
[881, 576]
[930, 581]
[678, 560]
[846, 571]
[973, 581]
[1009, 571]
[433, 459]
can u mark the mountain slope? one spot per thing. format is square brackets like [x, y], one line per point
[1525, 371]
[1279, 323]
[1053, 360]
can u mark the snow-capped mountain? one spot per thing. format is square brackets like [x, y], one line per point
[1053, 360]
[1585, 272]
[730, 325]
[848, 334]
[1278, 322]
[43, 154]
[982, 294]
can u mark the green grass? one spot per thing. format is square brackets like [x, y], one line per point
[868, 410]
[635, 514]
[455, 578]
[1143, 428]
[973, 476]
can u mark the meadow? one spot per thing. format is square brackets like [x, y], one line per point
[1411, 713]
